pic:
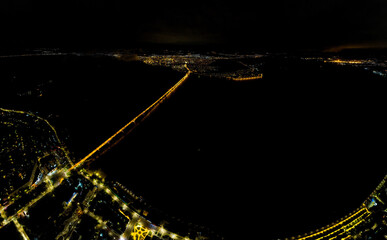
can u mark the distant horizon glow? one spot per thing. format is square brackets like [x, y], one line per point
[366, 45]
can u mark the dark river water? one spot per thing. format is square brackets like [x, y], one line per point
[277, 157]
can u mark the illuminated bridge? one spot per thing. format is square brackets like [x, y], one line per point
[112, 210]
[87, 206]
[125, 130]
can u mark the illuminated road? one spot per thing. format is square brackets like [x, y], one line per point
[72, 222]
[20, 228]
[125, 130]
[259, 76]
[341, 227]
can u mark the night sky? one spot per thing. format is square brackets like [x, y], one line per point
[272, 25]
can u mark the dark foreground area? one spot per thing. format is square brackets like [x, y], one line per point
[276, 157]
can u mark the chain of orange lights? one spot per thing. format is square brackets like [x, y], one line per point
[144, 114]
